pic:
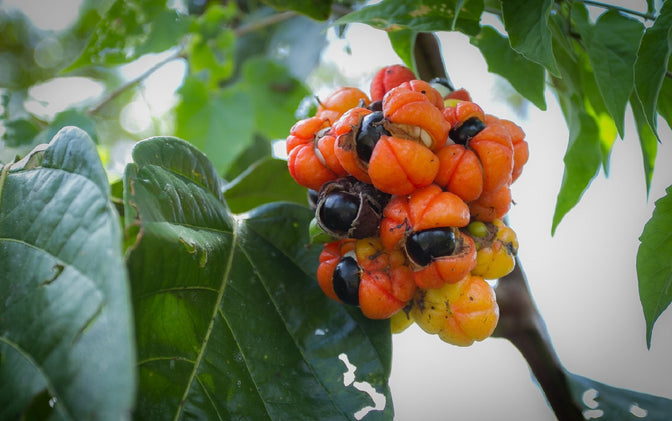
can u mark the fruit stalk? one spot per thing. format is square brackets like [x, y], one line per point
[521, 323]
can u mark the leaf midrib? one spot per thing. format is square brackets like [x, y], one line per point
[215, 311]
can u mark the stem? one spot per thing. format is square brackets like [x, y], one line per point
[428, 63]
[262, 23]
[521, 323]
[121, 89]
[619, 8]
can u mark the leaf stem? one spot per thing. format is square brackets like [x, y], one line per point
[644, 15]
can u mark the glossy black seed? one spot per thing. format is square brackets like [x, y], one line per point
[424, 246]
[369, 132]
[470, 128]
[346, 280]
[338, 211]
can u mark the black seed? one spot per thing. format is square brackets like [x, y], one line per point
[338, 211]
[465, 131]
[346, 280]
[369, 132]
[424, 246]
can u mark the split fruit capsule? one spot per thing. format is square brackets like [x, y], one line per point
[362, 273]
[425, 224]
[460, 313]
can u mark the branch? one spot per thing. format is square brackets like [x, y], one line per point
[521, 323]
[428, 61]
[242, 30]
[644, 15]
[121, 89]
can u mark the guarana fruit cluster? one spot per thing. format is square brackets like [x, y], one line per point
[411, 183]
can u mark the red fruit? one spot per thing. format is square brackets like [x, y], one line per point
[415, 117]
[400, 166]
[387, 78]
[341, 100]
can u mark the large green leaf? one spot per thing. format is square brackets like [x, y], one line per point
[526, 77]
[130, 29]
[651, 65]
[603, 401]
[584, 153]
[66, 334]
[611, 45]
[654, 263]
[230, 320]
[526, 23]
[420, 15]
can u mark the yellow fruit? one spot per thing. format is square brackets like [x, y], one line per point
[460, 313]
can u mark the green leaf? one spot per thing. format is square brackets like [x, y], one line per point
[651, 65]
[319, 10]
[587, 131]
[527, 26]
[20, 132]
[582, 161]
[213, 56]
[231, 322]
[611, 45]
[603, 401]
[654, 263]
[665, 99]
[220, 124]
[526, 77]
[420, 15]
[211, 48]
[65, 316]
[647, 141]
[129, 29]
[275, 96]
[267, 180]
[403, 43]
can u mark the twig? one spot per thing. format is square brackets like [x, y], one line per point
[262, 23]
[242, 30]
[121, 89]
[521, 323]
[644, 15]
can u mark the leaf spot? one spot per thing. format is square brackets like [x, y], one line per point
[589, 398]
[592, 413]
[57, 269]
[638, 411]
[378, 399]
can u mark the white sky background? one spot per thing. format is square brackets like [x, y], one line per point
[583, 279]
